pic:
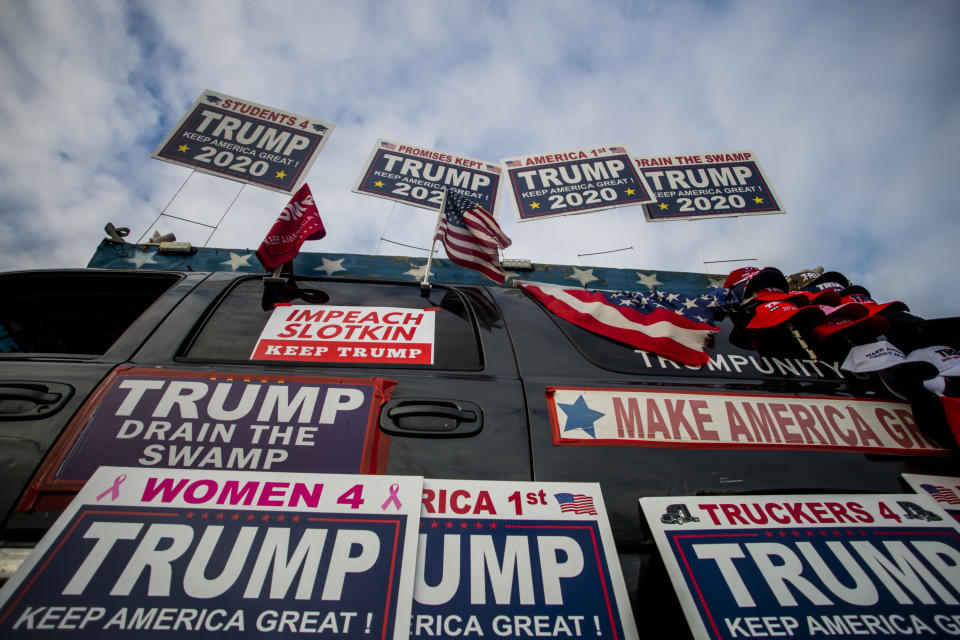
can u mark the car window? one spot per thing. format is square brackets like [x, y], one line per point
[778, 355]
[232, 329]
[73, 313]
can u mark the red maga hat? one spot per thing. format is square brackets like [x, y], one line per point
[853, 319]
[875, 307]
[774, 314]
[747, 281]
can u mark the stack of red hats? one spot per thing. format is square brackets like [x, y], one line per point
[826, 303]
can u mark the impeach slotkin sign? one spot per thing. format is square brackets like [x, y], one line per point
[838, 566]
[220, 420]
[517, 560]
[246, 142]
[554, 184]
[707, 185]
[330, 333]
[417, 176]
[229, 554]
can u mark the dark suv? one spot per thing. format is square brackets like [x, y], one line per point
[498, 402]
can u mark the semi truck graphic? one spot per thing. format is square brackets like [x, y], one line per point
[677, 514]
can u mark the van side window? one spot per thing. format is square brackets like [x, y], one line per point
[73, 313]
[230, 332]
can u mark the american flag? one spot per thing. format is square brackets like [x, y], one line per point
[575, 503]
[513, 163]
[388, 145]
[671, 324]
[493, 167]
[617, 150]
[941, 494]
[471, 236]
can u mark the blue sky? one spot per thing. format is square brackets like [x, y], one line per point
[852, 108]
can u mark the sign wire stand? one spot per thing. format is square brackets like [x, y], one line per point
[706, 262]
[163, 212]
[230, 206]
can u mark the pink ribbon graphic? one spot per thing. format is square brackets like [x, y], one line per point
[114, 490]
[394, 490]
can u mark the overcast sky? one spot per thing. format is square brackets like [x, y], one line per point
[851, 108]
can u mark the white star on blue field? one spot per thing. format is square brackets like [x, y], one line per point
[580, 416]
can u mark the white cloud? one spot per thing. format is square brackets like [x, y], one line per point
[851, 107]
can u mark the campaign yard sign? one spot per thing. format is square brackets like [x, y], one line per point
[833, 566]
[944, 490]
[707, 185]
[245, 141]
[588, 416]
[417, 176]
[577, 181]
[347, 335]
[169, 553]
[145, 417]
[517, 560]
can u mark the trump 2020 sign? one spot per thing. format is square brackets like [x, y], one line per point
[577, 181]
[246, 142]
[707, 185]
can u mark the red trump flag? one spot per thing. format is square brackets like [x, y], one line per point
[298, 222]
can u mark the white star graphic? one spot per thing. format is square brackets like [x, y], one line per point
[690, 303]
[417, 272]
[648, 281]
[628, 302]
[236, 261]
[141, 258]
[583, 276]
[701, 318]
[673, 296]
[331, 266]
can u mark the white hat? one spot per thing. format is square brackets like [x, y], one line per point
[874, 356]
[945, 359]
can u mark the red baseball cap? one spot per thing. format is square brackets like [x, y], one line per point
[767, 275]
[746, 281]
[772, 294]
[853, 319]
[773, 314]
[825, 297]
[874, 307]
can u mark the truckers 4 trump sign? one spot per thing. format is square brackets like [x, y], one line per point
[837, 566]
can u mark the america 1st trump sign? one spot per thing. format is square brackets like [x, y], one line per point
[577, 181]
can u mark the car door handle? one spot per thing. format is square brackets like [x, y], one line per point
[429, 417]
[32, 399]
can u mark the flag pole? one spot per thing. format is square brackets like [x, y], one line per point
[425, 284]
